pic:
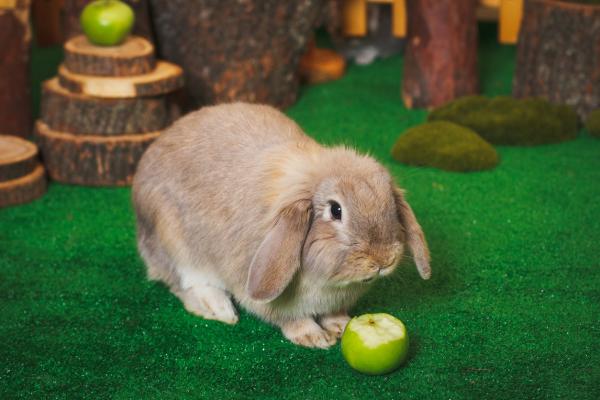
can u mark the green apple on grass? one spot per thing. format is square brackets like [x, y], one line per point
[106, 22]
[375, 344]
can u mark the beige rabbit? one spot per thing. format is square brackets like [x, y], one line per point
[235, 201]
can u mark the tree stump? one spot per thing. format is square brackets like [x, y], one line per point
[92, 160]
[72, 10]
[15, 40]
[558, 54]
[22, 177]
[134, 57]
[236, 50]
[165, 78]
[81, 114]
[440, 63]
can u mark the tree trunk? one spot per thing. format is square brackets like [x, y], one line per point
[23, 189]
[165, 78]
[15, 40]
[92, 160]
[441, 54]
[134, 57]
[558, 54]
[236, 50]
[85, 115]
[73, 8]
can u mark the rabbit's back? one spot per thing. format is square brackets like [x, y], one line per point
[203, 178]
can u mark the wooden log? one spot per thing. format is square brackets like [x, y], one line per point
[165, 78]
[15, 41]
[134, 57]
[236, 50]
[72, 10]
[75, 113]
[558, 54]
[92, 160]
[23, 189]
[441, 54]
[46, 17]
[18, 157]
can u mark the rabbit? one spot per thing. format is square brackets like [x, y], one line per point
[234, 202]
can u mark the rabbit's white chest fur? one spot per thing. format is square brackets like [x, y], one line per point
[305, 299]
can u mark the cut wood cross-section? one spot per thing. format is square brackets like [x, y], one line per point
[134, 57]
[81, 114]
[92, 160]
[18, 157]
[165, 78]
[22, 177]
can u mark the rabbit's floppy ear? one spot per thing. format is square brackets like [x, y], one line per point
[279, 255]
[414, 234]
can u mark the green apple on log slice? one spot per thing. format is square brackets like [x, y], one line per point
[375, 344]
[107, 22]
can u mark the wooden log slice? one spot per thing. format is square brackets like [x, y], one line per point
[18, 157]
[92, 160]
[134, 57]
[165, 78]
[75, 113]
[23, 189]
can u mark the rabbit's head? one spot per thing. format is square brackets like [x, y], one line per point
[340, 222]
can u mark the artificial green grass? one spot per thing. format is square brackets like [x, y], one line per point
[512, 310]
[444, 145]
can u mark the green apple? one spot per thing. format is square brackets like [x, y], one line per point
[375, 344]
[107, 22]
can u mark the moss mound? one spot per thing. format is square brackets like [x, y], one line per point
[592, 124]
[444, 145]
[508, 121]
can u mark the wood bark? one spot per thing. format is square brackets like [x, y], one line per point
[92, 160]
[72, 10]
[64, 111]
[134, 57]
[441, 53]
[236, 50]
[558, 54]
[15, 40]
[18, 157]
[46, 17]
[165, 78]
[23, 189]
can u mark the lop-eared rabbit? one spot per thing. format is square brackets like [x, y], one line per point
[235, 203]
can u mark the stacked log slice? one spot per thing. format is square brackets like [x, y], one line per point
[76, 113]
[92, 160]
[22, 177]
[134, 57]
[104, 109]
[165, 78]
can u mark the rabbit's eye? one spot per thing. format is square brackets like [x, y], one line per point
[336, 210]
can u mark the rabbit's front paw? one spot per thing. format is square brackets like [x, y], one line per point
[335, 323]
[209, 302]
[307, 333]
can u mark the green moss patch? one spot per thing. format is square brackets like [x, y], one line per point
[592, 125]
[507, 121]
[444, 145]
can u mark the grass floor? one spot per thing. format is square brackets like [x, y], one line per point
[512, 310]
